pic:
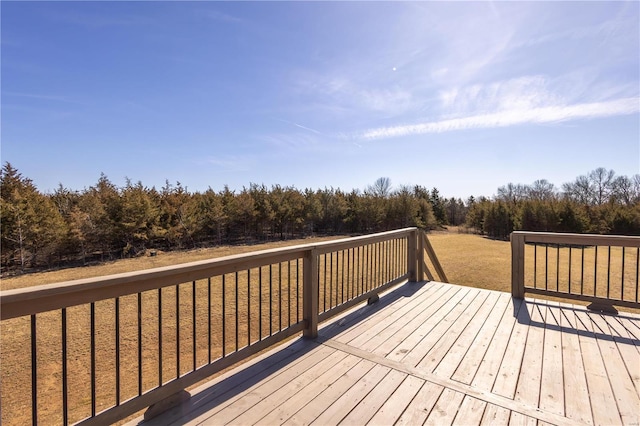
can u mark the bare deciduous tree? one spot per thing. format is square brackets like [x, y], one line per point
[380, 188]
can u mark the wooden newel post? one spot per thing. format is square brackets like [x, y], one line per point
[517, 265]
[421, 238]
[310, 294]
[412, 255]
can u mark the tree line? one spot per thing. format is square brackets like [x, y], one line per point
[105, 222]
[599, 202]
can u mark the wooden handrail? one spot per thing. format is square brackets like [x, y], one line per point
[579, 239]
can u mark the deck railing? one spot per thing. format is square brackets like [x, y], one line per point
[97, 350]
[602, 269]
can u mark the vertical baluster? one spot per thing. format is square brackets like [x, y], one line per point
[159, 337]
[193, 329]
[279, 296]
[608, 269]
[374, 266]
[570, 249]
[237, 309]
[224, 316]
[34, 373]
[343, 275]
[177, 330]
[260, 302]
[394, 262]
[297, 290]
[117, 314]
[65, 377]
[379, 263]
[270, 300]
[546, 266]
[637, 270]
[209, 318]
[622, 280]
[535, 265]
[324, 284]
[288, 293]
[248, 307]
[139, 344]
[558, 267]
[349, 274]
[394, 254]
[359, 269]
[595, 270]
[93, 357]
[386, 261]
[331, 281]
[368, 266]
[364, 269]
[582, 272]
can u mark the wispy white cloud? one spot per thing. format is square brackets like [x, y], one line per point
[351, 93]
[515, 94]
[505, 118]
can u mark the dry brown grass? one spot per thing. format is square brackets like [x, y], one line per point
[467, 259]
[473, 260]
[147, 262]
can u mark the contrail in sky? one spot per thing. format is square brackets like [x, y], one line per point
[549, 114]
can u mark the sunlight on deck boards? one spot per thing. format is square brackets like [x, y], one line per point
[437, 354]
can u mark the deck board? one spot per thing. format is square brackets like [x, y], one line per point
[506, 379]
[443, 344]
[449, 363]
[600, 392]
[499, 320]
[395, 405]
[552, 393]
[387, 341]
[495, 415]
[290, 406]
[348, 400]
[575, 382]
[309, 412]
[368, 407]
[433, 353]
[445, 409]
[470, 412]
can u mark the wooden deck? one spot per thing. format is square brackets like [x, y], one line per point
[438, 353]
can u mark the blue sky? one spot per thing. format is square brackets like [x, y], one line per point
[464, 97]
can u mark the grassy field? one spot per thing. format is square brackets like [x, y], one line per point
[466, 259]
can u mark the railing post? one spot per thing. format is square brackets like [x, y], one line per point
[412, 255]
[310, 293]
[420, 236]
[517, 265]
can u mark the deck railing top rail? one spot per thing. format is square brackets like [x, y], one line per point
[54, 296]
